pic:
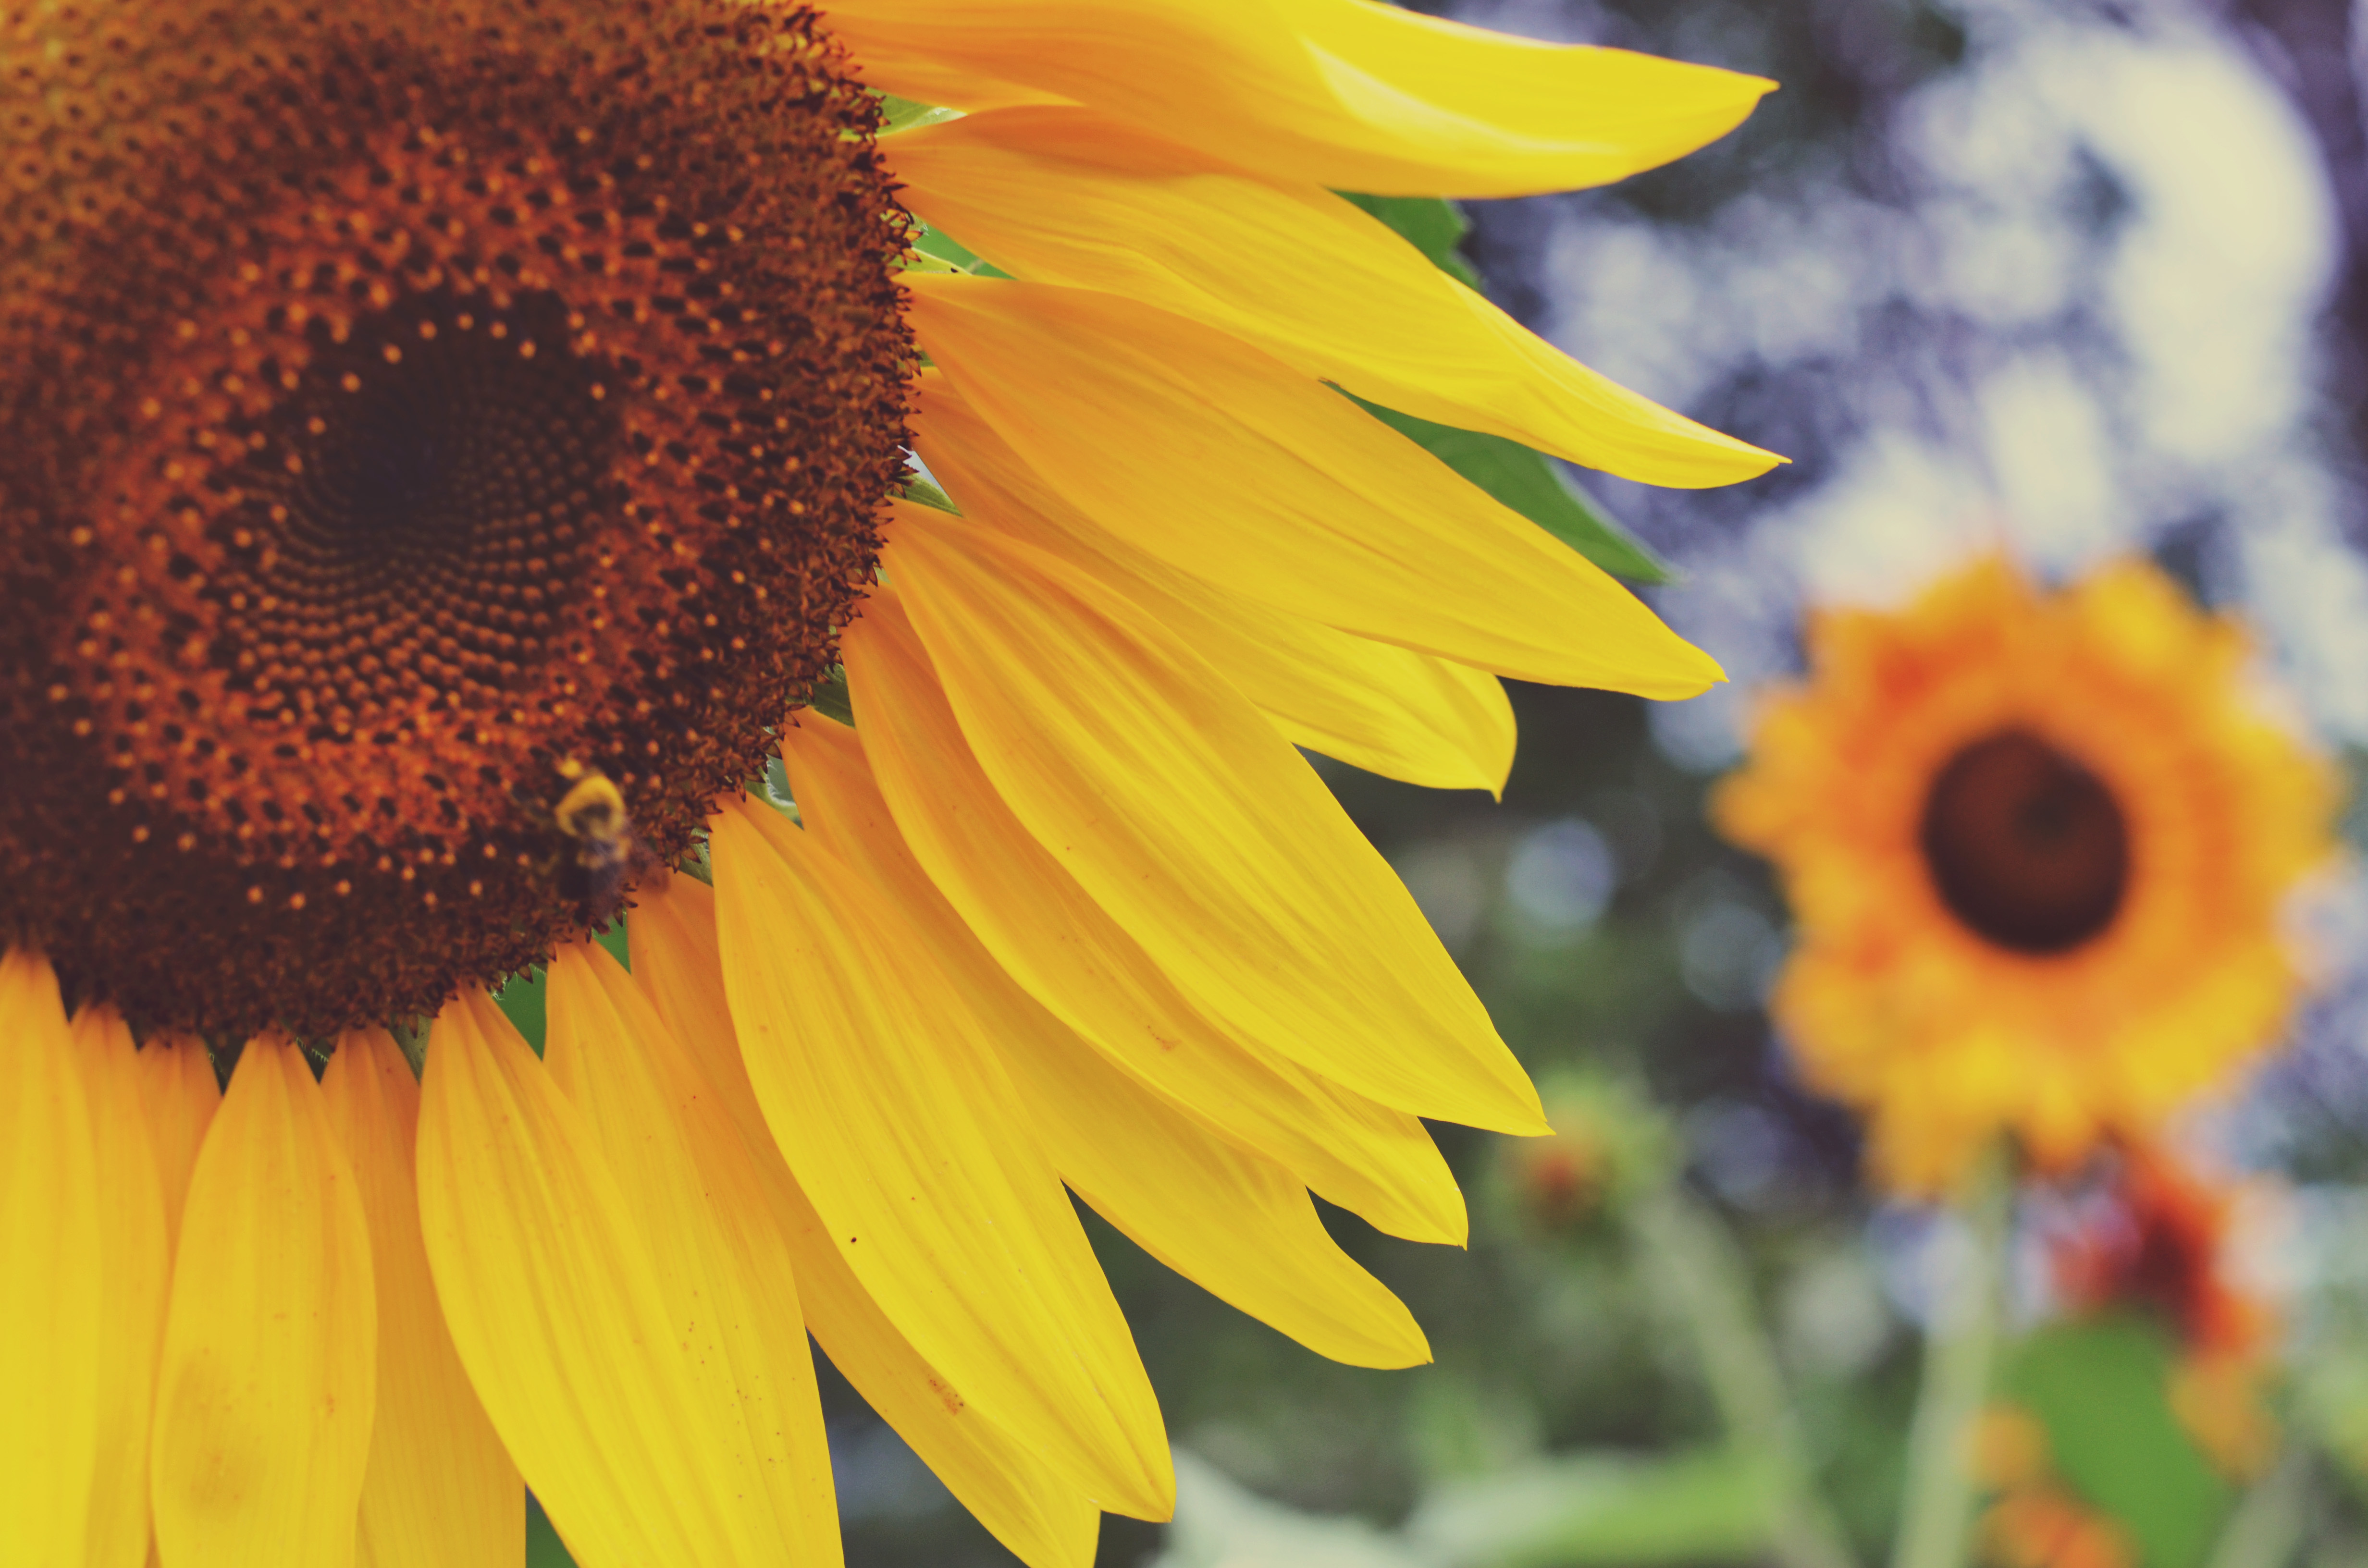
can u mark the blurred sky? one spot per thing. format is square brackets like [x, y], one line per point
[2049, 275]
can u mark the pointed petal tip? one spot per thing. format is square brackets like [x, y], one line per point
[1711, 460]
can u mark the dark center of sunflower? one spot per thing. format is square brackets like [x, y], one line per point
[2025, 846]
[414, 412]
[449, 460]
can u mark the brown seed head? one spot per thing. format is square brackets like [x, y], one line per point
[405, 399]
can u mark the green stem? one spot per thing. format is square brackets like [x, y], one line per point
[1937, 1508]
[2268, 1523]
[1701, 1278]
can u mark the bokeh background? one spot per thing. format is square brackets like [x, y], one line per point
[2067, 278]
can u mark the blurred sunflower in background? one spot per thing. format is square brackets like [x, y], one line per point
[2038, 845]
[456, 449]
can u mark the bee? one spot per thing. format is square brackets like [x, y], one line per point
[606, 852]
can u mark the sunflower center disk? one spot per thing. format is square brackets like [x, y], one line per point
[2026, 847]
[408, 415]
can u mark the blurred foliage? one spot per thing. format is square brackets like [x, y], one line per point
[2100, 1390]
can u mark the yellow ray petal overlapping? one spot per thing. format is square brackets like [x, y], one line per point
[881, 1084]
[1194, 824]
[722, 1262]
[439, 1488]
[1385, 709]
[1234, 1223]
[1026, 1504]
[1088, 970]
[270, 1375]
[676, 961]
[1044, 1521]
[555, 1305]
[1071, 197]
[52, 1273]
[138, 1270]
[179, 1093]
[1350, 94]
[1268, 483]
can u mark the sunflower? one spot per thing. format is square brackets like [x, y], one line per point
[457, 491]
[2037, 845]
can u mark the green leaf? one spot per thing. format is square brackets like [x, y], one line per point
[2101, 1388]
[1432, 226]
[1530, 484]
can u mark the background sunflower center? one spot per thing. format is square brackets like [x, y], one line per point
[2026, 847]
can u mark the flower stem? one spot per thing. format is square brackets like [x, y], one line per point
[1701, 1278]
[2268, 1522]
[1937, 1505]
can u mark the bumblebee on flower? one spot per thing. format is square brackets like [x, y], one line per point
[453, 444]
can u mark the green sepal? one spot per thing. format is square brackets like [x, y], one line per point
[772, 786]
[411, 1038]
[1432, 226]
[941, 252]
[522, 1001]
[904, 114]
[830, 697]
[612, 936]
[915, 488]
[1525, 480]
[1531, 483]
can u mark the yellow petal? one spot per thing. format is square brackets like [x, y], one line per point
[1348, 94]
[264, 1397]
[180, 1094]
[1388, 709]
[721, 1260]
[439, 1491]
[1084, 967]
[676, 962]
[1024, 1501]
[1268, 484]
[138, 1269]
[1239, 1226]
[551, 1294]
[882, 1090]
[53, 1274]
[1044, 1521]
[1069, 196]
[1197, 828]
